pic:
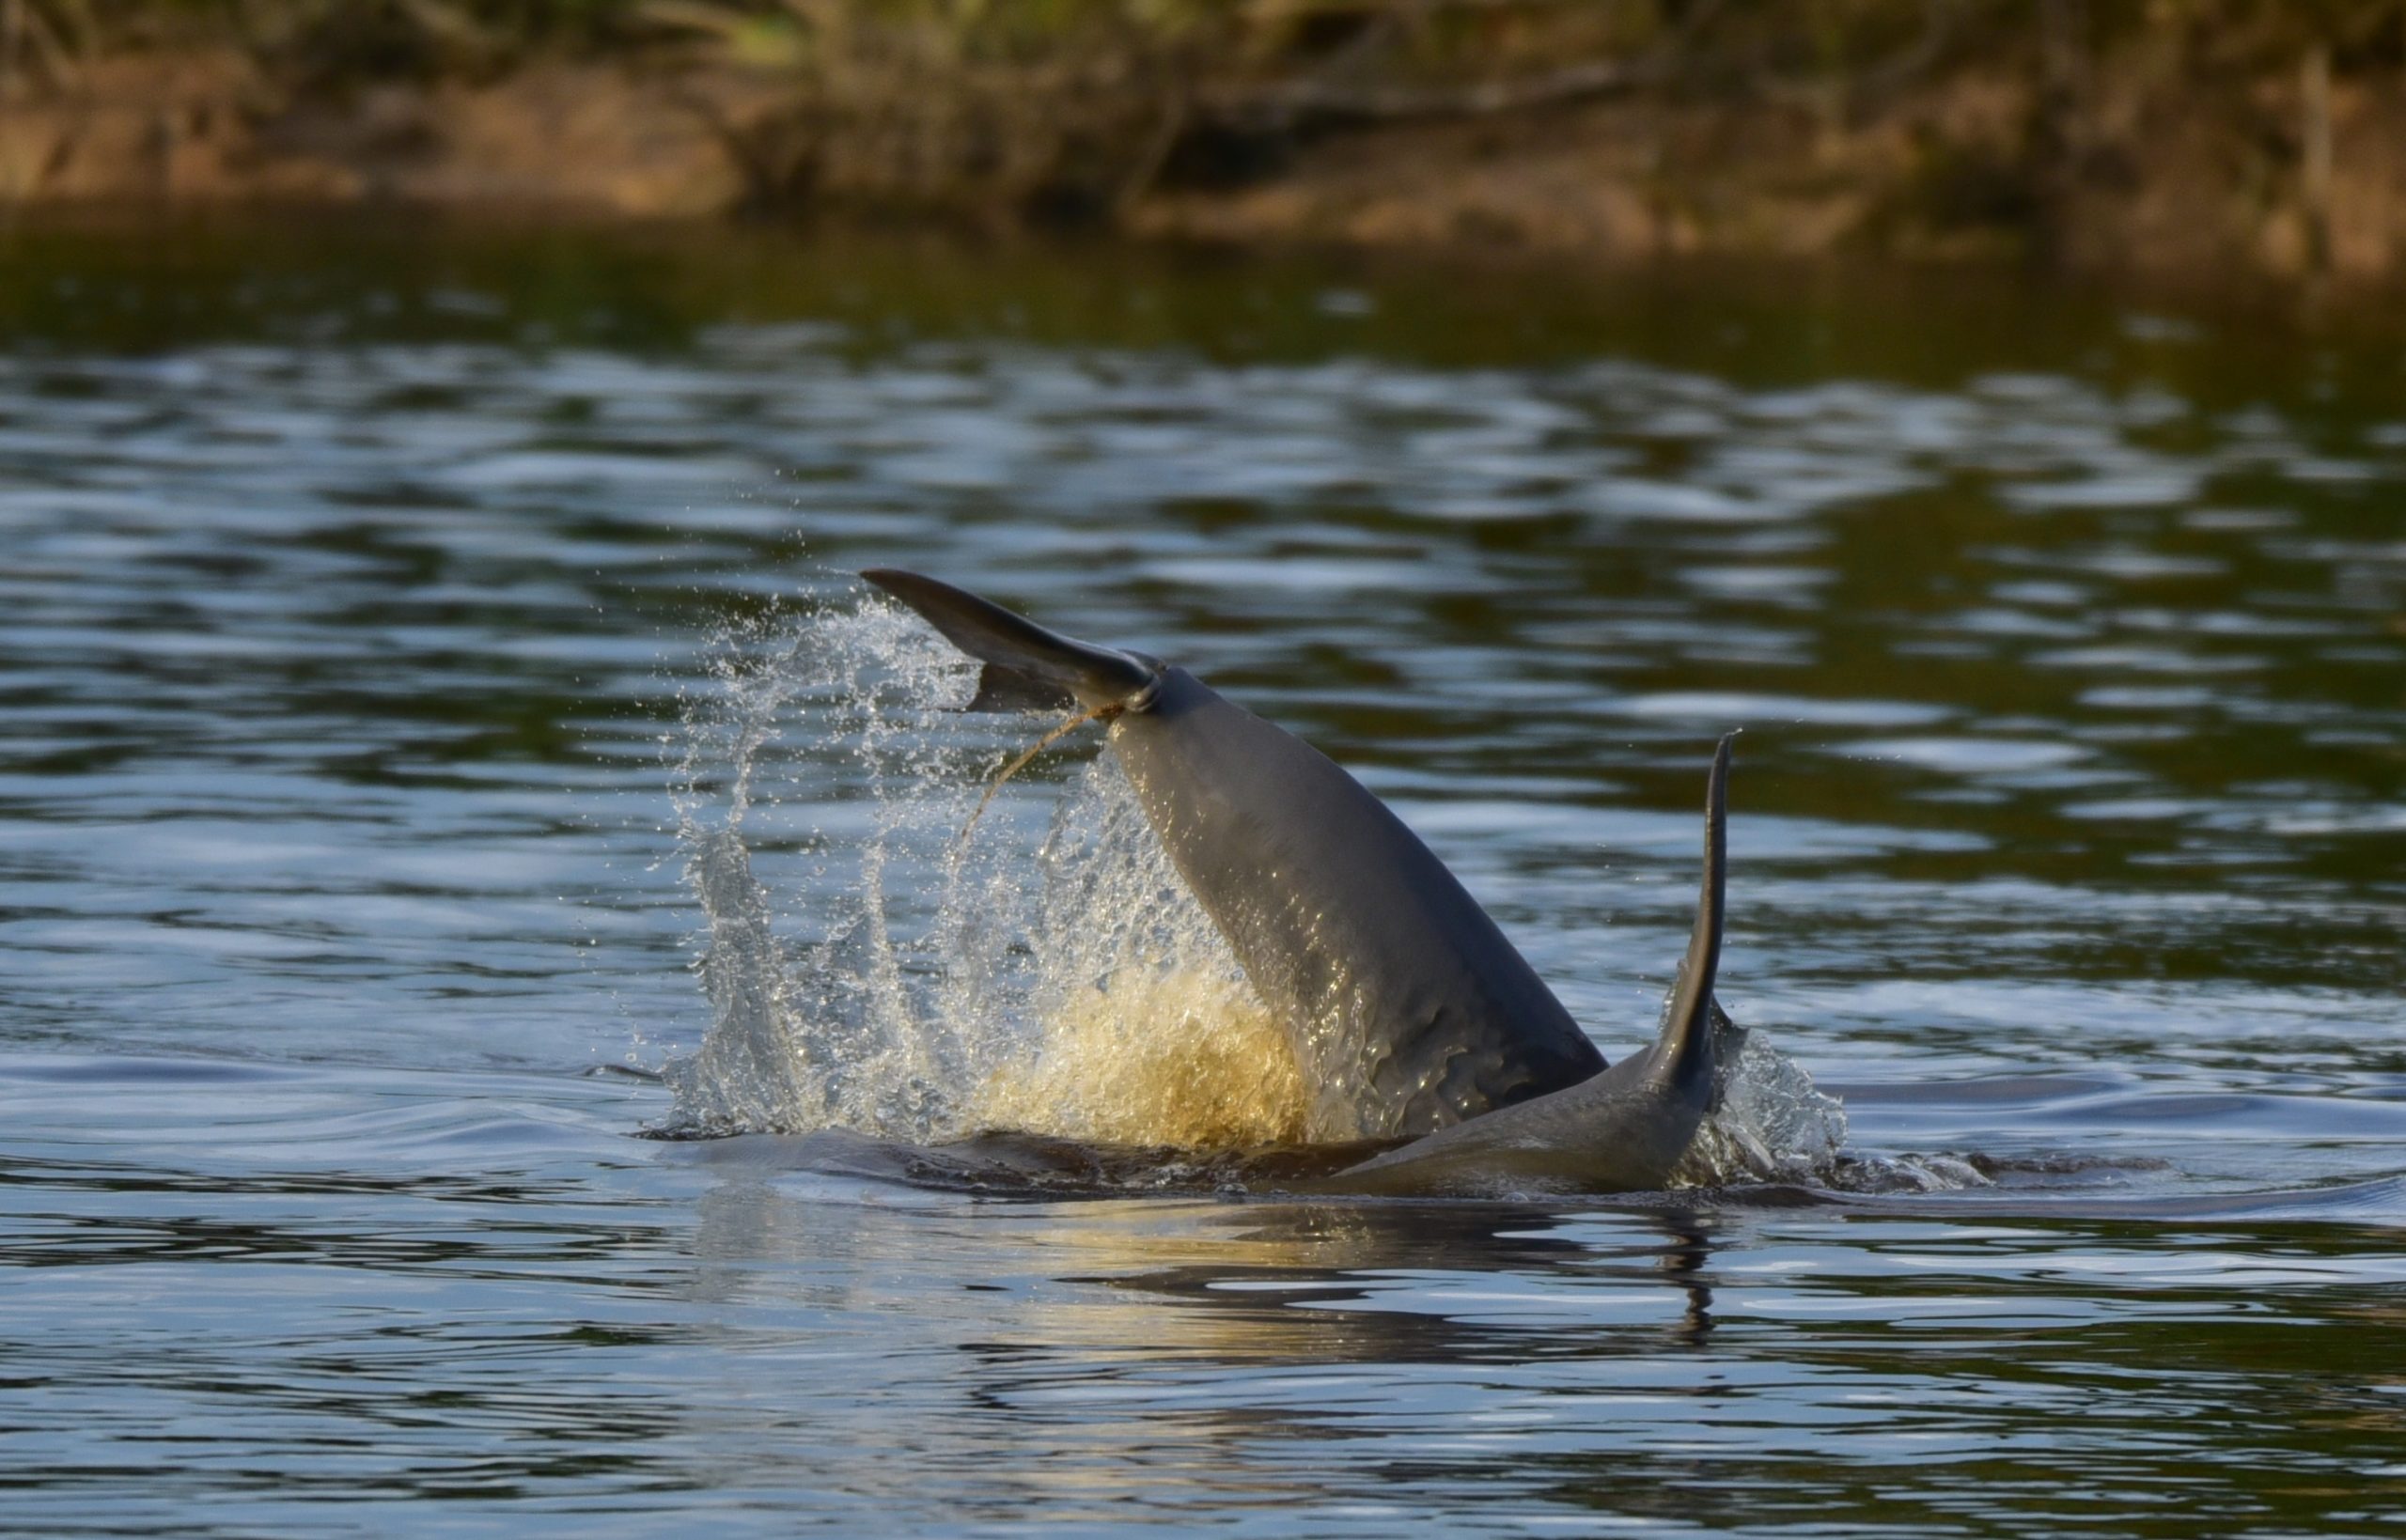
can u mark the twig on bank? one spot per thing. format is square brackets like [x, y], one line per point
[2314, 133]
[1140, 177]
[1937, 30]
[1281, 105]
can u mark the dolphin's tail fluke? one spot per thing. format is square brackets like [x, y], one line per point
[1027, 667]
[1684, 1053]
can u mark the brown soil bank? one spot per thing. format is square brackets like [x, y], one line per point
[2169, 135]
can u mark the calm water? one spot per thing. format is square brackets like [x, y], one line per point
[351, 587]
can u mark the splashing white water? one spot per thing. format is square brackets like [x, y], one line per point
[1058, 982]
[1048, 974]
[1769, 1124]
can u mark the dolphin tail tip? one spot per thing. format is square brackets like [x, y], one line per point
[1716, 804]
[1027, 666]
[1686, 1046]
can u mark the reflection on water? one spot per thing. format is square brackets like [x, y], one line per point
[490, 1306]
[351, 582]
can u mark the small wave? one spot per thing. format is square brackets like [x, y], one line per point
[1879, 1176]
[1020, 1164]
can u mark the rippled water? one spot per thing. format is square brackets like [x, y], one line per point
[358, 590]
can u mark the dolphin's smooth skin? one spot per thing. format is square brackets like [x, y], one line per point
[1411, 1013]
[1625, 1130]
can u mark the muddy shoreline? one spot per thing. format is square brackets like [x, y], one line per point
[1945, 172]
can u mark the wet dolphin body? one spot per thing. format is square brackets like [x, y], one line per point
[1622, 1130]
[1411, 1013]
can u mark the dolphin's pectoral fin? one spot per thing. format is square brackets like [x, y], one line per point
[1002, 687]
[1021, 656]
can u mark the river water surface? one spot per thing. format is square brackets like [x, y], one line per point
[396, 629]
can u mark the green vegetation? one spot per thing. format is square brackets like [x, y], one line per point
[1823, 45]
[1355, 55]
[1972, 124]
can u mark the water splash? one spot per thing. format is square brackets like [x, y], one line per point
[1054, 978]
[819, 1034]
[1031, 969]
[1769, 1124]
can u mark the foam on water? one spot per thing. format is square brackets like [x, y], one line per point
[1042, 976]
[1771, 1125]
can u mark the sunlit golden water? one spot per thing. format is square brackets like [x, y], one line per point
[1188, 1059]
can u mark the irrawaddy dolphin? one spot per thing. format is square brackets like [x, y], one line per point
[1413, 1017]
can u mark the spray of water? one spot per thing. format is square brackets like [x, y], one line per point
[1769, 1123]
[1039, 968]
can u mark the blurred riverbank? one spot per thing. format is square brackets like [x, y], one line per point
[2187, 138]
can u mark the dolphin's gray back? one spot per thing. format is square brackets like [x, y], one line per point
[1412, 1011]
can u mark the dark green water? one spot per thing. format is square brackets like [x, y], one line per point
[349, 578]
